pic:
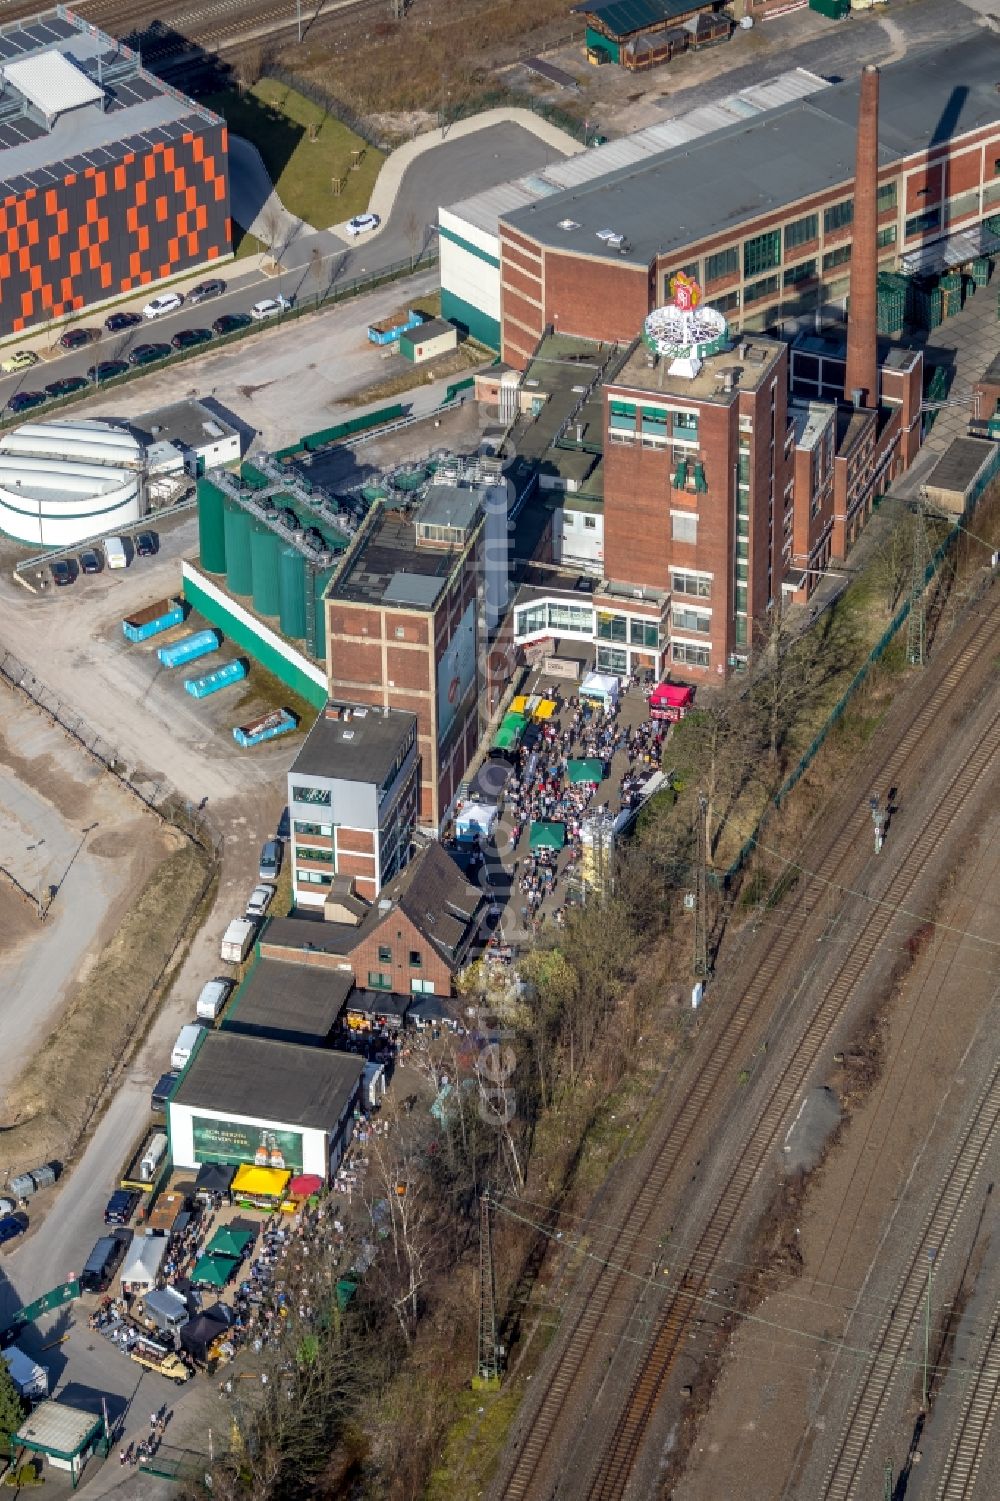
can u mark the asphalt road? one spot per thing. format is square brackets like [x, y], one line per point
[451, 171]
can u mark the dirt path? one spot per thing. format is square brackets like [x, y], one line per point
[67, 828]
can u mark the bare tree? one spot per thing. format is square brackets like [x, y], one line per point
[405, 1212]
[413, 229]
[270, 229]
[249, 67]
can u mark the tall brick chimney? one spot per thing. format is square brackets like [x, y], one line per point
[862, 330]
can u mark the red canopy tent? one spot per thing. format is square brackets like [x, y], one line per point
[670, 701]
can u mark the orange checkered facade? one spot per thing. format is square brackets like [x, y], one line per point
[110, 230]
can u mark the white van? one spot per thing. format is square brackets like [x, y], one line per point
[237, 941]
[213, 997]
[114, 552]
[185, 1044]
[153, 1156]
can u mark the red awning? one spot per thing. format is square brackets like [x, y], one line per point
[304, 1185]
[670, 700]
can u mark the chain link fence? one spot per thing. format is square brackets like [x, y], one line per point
[157, 794]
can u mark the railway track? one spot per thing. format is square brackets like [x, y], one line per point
[975, 1423]
[902, 1322]
[527, 1473]
[675, 1320]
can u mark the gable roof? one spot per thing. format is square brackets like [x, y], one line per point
[621, 17]
[438, 900]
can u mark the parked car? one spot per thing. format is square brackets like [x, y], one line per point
[23, 401]
[78, 338]
[212, 998]
[167, 302]
[161, 1091]
[146, 545]
[190, 338]
[362, 224]
[270, 860]
[118, 322]
[148, 354]
[268, 306]
[90, 561]
[230, 322]
[238, 940]
[260, 899]
[121, 1206]
[206, 289]
[10, 1228]
[106, 370]
[187, 1037]
[67, 385]
[62, 573]
[104, 1260]
[284, 825]
[114, 552]
[22, 360]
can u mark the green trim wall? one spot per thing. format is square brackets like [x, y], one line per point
[467, 245]
[471, 320]
[284, 668]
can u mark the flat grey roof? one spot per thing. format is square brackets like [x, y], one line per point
[189, 423]
[139, 109]
[960, 463]
[389, 568]
[267, 1080]
[449, 505]
[289, 1002]
[56, 1428]
[361, 749]
[709, 185]
[747, 369]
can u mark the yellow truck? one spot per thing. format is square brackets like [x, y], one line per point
[164, 1362]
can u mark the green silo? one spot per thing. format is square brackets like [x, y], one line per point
[239, 565]
[264, 547]
[292, 584]
[316, 627]
[211, 527]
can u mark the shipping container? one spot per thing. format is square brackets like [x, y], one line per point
[266, 728]
[212, 682]
[153, 620]
[189, 648]
[388, 330]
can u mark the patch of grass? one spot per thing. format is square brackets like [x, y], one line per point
[281, 123]
[473, 1443]
[456, 362]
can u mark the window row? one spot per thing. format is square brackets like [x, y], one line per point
[697, 584]
[324, 857]
[637, 632]
[379, 980]
[385, 956]
[312, 878]
[322, 830]
[691, 655]
[321, 797]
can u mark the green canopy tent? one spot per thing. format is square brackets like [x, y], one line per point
[509, 734]
[590, 769]
[547, 836]
[228, 1241]
[213, 1271]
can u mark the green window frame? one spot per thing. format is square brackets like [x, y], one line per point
[416, 959]
[686, 425]
[741, 630]
[836, 257]
[886, 237]
[801, 232]
[317, 830]
[724, 263]
[804, 271]
[320, 797]
[921, 223]
[758, 289]
[379, 980]
[324, 857]
[838, 216]
[887, 196]
[762, 252]
[384, 954]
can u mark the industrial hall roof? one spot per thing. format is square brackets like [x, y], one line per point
[621, 17]
[718, 182]
[272, 1081]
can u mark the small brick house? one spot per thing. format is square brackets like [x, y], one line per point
[412, 941]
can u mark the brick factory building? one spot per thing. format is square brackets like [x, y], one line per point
[110, 180]
[761, 213]
[403, 630]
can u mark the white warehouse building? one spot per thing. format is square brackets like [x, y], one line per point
[469, 232]
[62, 482]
